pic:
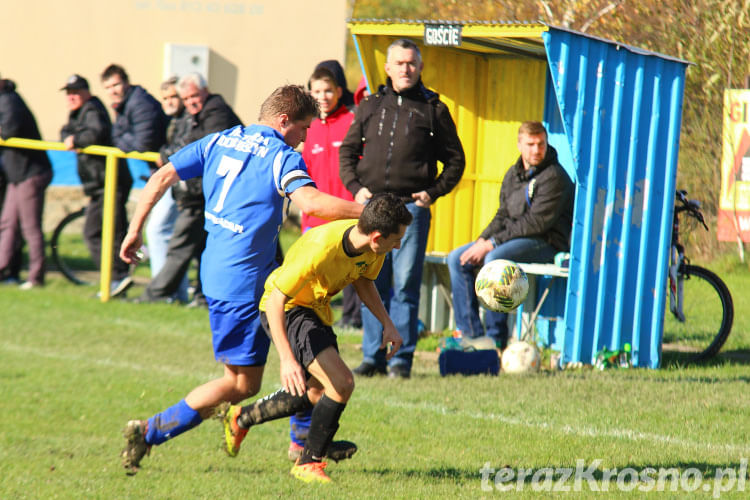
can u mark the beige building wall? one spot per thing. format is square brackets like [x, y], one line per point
[253, 46]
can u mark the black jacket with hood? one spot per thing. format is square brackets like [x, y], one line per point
[16, 120]
[90, 125]
[215, 116]
[395, 141]
[534, 203]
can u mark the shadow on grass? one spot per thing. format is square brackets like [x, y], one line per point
[597, 470]
[677, 359]
[452, 474]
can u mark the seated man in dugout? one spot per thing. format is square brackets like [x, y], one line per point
[532, 223]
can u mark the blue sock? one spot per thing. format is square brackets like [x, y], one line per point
[171, 423]
[299, 424]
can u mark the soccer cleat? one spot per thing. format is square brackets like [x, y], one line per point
[233, 433]
[337, 450]
[136, 447]
[313, 472]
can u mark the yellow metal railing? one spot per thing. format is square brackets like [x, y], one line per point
[110, 190]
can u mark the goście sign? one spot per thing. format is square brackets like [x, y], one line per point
[442, 35]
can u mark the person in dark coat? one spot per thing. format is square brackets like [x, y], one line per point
[393, 145]
[532, 223]
[28, 172]
[208, 113]
[139, 125]
[88, 125]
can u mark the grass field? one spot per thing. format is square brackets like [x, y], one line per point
[73, 371]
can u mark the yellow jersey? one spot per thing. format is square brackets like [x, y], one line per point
[316, 268]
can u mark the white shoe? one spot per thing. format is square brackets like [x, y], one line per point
[28, 285]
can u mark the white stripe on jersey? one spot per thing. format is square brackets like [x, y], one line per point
[277, 173]
[210, 144]
[293, 176]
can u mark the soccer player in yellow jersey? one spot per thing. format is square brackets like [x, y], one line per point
[296, 312]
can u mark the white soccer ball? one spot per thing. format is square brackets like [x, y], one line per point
[501, 285]
[521, 357]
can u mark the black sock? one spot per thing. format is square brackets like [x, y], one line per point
[276, 405]
[323, 426]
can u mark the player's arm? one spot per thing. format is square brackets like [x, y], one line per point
[155, 188]
[292, 374]
[319, 204]
[369, 295]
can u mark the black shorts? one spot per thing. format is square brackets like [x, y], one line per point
[308, 335]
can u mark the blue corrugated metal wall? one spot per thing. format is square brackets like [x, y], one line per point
[621, 111]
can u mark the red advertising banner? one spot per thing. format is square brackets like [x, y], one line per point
[734, 199]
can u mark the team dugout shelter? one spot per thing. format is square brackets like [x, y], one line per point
[613, 112]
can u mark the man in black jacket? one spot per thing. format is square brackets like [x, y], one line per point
[532, 224]
[209, 113]
[88, 125]
[140, 125]
[393, 145]
[28, 173]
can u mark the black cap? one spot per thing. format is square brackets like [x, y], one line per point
[76, 82]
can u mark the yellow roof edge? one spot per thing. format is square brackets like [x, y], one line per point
[414, 29]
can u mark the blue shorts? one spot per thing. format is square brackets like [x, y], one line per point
[238, 337]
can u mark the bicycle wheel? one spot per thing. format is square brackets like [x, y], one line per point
[70, 253]
[709, 312]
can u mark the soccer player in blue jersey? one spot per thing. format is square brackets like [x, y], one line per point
[247, 173]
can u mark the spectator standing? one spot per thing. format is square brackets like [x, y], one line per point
[206, 113]
[13, 273]
[140, 125]
[88, 125]
[532, 223]
[28, 172]
[393, 145]
[160, 225]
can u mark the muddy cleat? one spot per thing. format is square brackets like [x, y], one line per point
[233, 433]
[313, 472]
[337, 450]
[136, 448]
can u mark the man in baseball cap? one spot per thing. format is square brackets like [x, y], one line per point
[76, 82]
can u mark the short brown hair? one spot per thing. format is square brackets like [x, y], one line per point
[325, 75]
[291, 100]
[115, 69]
[532, 128]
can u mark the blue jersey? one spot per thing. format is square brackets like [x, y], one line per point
[247, 172]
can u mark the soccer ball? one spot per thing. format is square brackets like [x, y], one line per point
[521, 357]
[501, 285]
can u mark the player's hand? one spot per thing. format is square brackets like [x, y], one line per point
[130, 248]
[422, 199]
[476, 253]
[391, 337]
[362, 195]
[293, 377]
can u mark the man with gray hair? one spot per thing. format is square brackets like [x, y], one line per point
[208, 113]
[393, 145]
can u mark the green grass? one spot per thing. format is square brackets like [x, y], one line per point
[74, 370]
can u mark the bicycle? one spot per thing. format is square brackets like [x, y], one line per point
[69, 251]
[700, 304]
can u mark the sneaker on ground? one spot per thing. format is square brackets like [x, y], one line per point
[119, 287]
[366, 369]
[28, 285]
[233, 433]
[337, 450]
[313, 472]
[136, 447]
